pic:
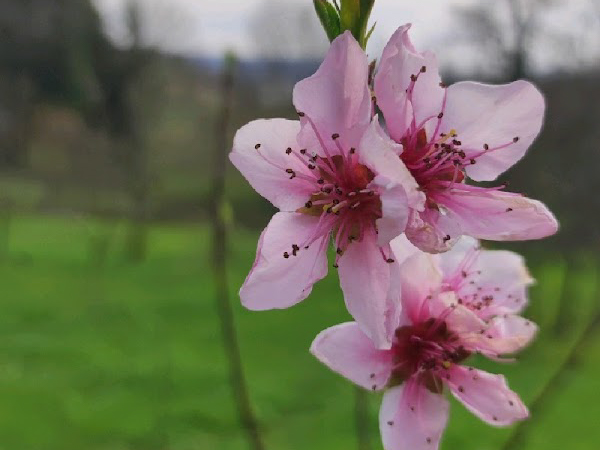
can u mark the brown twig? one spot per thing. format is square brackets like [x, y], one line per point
[219, 254]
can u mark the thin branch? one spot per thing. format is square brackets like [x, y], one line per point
[219, 255]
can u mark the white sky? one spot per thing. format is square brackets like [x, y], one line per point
[223, 24]
[210, 27]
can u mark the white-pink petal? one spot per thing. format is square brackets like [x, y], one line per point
[432, 230]
[394, 214]
[412, 418]
[486, 395]
[499, 274]
[345, 349]
[279, 282]
[498, 215]
[461, 256]
[336, 98]
[515, 332]
[399, 61]
[365, 280]
[402, 248]
[259, 153]
[420, 279]
[380, 154]
[461, 320]
[493, 116]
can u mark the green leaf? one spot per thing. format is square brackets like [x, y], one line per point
[329, 18]
[369, 34]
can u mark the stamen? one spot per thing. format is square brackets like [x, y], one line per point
[385, 257]
[321, 142]
[339, 206]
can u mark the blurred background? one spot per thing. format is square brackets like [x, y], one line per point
[115, 116]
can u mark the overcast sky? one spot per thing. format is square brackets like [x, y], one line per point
[209, 27]
[223, 24]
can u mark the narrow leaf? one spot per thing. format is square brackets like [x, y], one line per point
[329, 18]
[367, 37]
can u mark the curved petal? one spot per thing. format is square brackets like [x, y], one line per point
[495, 281]
[461, 256]
[498, 337]
[419, 278]
[412, 418]
[432, 230]
[259, 153]
[499, 278]
[394, 214]
[489, 115]
[394, 296]
[497, 215]
[279, 282]
[399, 61]
[486, 395]
[336, 98]
[461, 320]
[345, 349]
[365, 281]
[380, 154]
[402, 249]
[514, 331]
[494, 338]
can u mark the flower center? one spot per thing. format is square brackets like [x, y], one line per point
[342, 199]
[435, 165]
[438, 161]
[341, 196]
[427, 349]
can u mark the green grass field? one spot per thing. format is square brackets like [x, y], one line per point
[129, 356]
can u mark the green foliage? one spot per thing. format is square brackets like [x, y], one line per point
[129, 357]
[353, 15]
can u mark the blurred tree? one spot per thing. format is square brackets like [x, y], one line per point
[505, 29]
[131, 101]
[514, 35]
[47, 49]
[135, 155]
[166, 26]
[282, 30]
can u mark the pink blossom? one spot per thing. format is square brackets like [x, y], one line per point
[444, 320]
[488, 282]
[449, 134]
[332, 174]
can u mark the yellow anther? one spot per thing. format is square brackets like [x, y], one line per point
[445, 137]
[339, 206]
